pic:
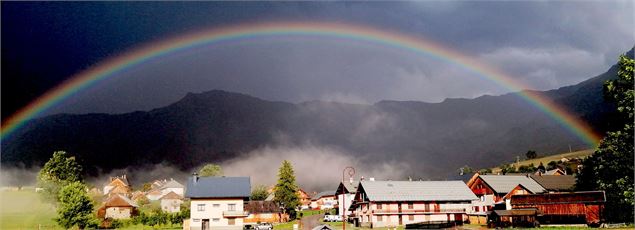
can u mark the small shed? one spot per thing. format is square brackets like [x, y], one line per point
[513, 218]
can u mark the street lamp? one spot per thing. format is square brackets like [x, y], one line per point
[351, 172]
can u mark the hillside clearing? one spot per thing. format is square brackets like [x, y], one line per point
[556, 157]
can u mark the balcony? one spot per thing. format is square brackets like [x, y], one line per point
[417, 211]
[235, 214]
[479, 191]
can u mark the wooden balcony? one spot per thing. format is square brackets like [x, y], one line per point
[416, 211]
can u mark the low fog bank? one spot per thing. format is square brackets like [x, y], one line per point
[317, 168]
[18, 176]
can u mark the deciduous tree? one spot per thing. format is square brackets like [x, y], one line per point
[75, 207]
[610, 168]
[259, 193]
[60, 170]
[211, 170]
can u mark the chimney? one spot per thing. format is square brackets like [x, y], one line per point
[194, 177]
[371, 179]
[361, 178]
[409, 178]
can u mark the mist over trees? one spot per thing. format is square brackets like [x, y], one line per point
[610, 168]
[211, 170]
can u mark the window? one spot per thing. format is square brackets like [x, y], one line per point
[378, 206]
[411, 217]
[231, 207]
[411, 205]
[215, 205]
[482, 198]
[380, 218]
[200, 207]
[231, 221]
[216, 219]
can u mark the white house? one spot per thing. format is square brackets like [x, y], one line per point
[171, 202]
[217, 202]
[345, 193]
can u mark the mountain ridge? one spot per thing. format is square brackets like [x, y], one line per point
[217, 126]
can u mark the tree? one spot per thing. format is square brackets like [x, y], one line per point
[286, 189]
[60, 170]
[552, 165]
[259, 193]
[75, 207]
[531, 154]
[211, 170]
[146, 187]
[610, 168]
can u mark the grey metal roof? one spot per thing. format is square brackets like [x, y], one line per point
[555, 182]
[323, 193]
[172, 184]
[505, 183]
[218, 187]
[417, 191]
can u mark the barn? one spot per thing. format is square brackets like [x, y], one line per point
[565, 207]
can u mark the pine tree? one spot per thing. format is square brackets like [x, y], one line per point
[286, 189]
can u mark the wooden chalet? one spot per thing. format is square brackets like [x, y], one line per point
[564, 208]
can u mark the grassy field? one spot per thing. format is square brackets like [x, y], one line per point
[556, 157]
[24, 210]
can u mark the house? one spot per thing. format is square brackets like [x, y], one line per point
[171, 202]
[264, 211]
[490, 189]
[556, 171]
[172, 186]
[217, 202]
[117, 185]
[324, 200]
[117, 207]
[555, 183]
[345, 193]
[398, 203]
[564, 207]
[304, 198]
[139, 197]
[154, 194]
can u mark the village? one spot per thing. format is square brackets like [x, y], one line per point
[482, 200]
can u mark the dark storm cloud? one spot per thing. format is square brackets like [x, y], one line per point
[543, 44]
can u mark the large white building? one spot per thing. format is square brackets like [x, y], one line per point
[397, 203]
[217, 202]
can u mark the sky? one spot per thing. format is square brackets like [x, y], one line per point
[543, 44]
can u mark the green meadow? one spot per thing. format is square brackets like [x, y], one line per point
[24, 210]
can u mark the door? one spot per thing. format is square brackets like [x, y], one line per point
[205, 225]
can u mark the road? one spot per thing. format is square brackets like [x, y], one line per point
[311, 222]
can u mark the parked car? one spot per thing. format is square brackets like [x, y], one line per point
[249, 226]
[264, 226]
[332, 218]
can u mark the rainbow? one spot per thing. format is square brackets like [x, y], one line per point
[152, 51]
